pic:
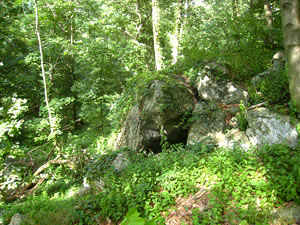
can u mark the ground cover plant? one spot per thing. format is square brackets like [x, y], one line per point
[243, 186]
[70, 71]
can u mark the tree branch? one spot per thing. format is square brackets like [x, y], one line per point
[53, 161]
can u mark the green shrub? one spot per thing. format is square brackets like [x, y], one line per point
[275, 87]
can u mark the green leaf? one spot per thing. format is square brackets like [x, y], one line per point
[244, 222]
[151, 222]
[132, 218]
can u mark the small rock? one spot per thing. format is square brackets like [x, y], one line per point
[17, 219]
[236, 137]
[286, 215]
[121, 161]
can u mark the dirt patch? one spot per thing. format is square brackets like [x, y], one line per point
[182, 214]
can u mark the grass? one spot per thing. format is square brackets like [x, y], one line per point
[244, 186]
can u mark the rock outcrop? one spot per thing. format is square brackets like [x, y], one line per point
[219, 101]
[216, 118]
[211, 119]
[160, 112]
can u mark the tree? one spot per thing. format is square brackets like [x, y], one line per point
[180, 15]
[269, 20]
[52, 128]
[156, 35]
[268, 13]
[291, 36]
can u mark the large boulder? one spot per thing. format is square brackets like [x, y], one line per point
[267, 127]
[161, 111]
[213, 86]
[209, 121]
[209, 124]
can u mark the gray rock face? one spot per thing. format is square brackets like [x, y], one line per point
[218, 90]
[209, 122]
[161, 110]
[266, 127]
[17, 219]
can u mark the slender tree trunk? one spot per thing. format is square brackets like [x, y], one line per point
[251, 4]
[52, 129]
[156, 34]
[72, 68]
[102, 117]
[268, 13]
[269, 20]
[291, 35]
[235, 8]
[177, 29]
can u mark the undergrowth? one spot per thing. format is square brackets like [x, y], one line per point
[244, 186]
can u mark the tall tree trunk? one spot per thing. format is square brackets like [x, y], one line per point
[269, 20]
[268, 13]
[52, 127]
[72, 68]
[291, 35]
[180, 15]
[156, 34]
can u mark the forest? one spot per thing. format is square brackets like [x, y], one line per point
[111, 112]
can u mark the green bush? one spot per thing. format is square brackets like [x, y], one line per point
[275, 87]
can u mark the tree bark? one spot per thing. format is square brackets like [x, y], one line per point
[156, 33]
[52, 129]
[268, 13]
[291, 35]
[235, 8]
[269, 20]
[180, 15]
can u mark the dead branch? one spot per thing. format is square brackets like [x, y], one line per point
[257, 105]
[53, 161]
[30, 191]
[19, 192]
